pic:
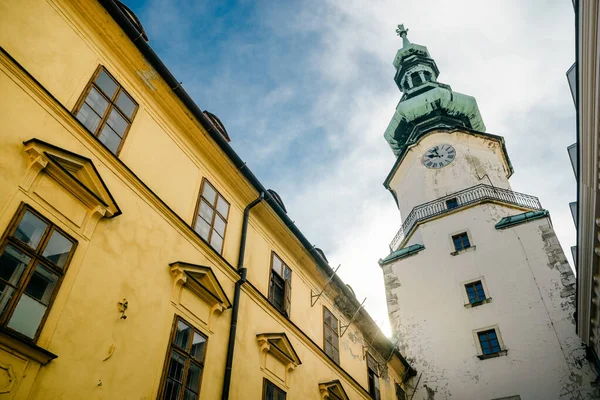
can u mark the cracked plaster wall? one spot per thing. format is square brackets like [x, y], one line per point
[532, 291]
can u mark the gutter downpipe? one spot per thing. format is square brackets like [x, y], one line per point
[236, 298]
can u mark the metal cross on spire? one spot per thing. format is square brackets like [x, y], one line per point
[402, 32]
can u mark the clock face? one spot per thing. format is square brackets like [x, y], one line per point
[439, 156]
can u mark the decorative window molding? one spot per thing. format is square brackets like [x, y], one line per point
[332, 390]
[203, 283]
[280, 348]
[76, 174]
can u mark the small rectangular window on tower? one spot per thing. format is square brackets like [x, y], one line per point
[461, 241]
[475, 292]
[452, 203]
[489, 343]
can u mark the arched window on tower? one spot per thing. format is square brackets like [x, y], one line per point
[416, 79]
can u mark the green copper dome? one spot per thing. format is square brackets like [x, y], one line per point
[425, 103]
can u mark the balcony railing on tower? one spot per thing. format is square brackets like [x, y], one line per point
[474, 194]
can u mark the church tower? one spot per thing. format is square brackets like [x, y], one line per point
[480, 294]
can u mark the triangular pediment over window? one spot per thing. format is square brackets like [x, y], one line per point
[280, 346]
[74, 172]
[202, 281]
[333, 390]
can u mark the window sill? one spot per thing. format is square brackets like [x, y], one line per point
[455, 253]
[478, 303]
[25, 347]
[493, 355]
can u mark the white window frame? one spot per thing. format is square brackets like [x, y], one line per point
[503, 350]
[466, 302]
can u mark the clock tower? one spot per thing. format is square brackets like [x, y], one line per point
[480, 294]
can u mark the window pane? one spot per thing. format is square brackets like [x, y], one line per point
[110, 139]
[172, 390]
[106, 84]
[328, 349]
[287, 273]
[216, 242]
[336, 355]
[209, 193]
[117, 122]
[41, 284]
[126, 104]
[192, 381]
[202, 227]
[198, 343]
[220, 225]
[30, 229]
[206, 211]
[281, 396]
[278, 294]
[182, 336]
[277, 265]
[270, 392]
[27, 316]
[96, 102]
[88, 118]
[6, 293]
[222, 207]
[58, 248]
[176, 367]
[12, 264]
[189, 395]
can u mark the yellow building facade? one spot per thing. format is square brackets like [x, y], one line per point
[140, 258]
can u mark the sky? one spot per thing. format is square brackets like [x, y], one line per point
[306, 91]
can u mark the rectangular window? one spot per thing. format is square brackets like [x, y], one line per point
[373, 376]
[461, 241]
[106, 110]
[400, 393]
[489, 342]
[280, 286]
[34, 256]
[331, 337]
[272, 392]
[452, 203]
[475, 292]
[212, 212]
[184, 364]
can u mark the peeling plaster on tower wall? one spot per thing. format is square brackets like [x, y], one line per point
[492, 312]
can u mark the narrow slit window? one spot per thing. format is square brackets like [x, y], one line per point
[106, 110]
[280, 285]
[373, 377]
[331, 337]
[212, 212]
[461, 241]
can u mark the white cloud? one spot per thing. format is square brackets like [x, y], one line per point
[309, 113]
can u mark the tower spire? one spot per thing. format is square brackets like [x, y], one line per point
[426, 103]
[403, 32]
